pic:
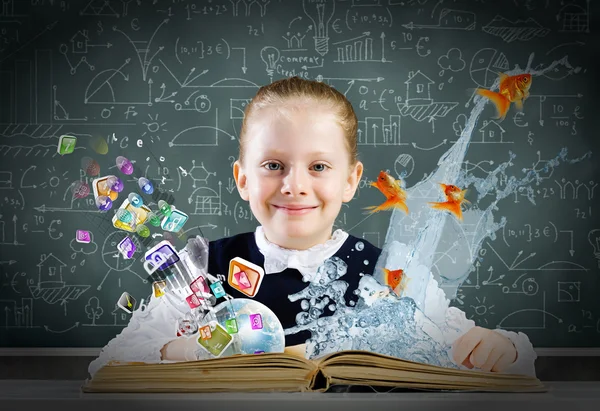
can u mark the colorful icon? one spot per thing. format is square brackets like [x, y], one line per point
[217, 289]
[140, 215]
[193, 301]
[126, 302]
[199, 285]
[186, 326]
[205, 333]
[259, 352]
[82, 236]
[135, 199]
[252, 274]
[103, 203]
[162, 251]
[124, 165]
[219, 340]
[256, 321]
[101, 188]
[231, 325]
[174, 221]
[66, 145]
[99, 145]
[159, 288]
[145, 185]
[80, 189]
[164, 208]
[153, 219]
[90, 166]
[242, 279]
[142, 231]
[127, 248]
[114, 183]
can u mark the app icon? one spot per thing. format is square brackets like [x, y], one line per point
[186, 327]
[231, 325]
[162, 251]
[174, 221]
[127, 248]
[82, 236]
[193, 301]
[205, 333]
[140, 215]
[126, 302]
[159, 288]
[66, 145]
[101, 188]
[256, 321]
[199, 285]
[217, 289]
[219, 340]
[245, 276]
[242, 280]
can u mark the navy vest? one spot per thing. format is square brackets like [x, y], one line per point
[276, 287]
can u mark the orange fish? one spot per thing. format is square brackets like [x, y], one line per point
[454, 198]
[393, 192]
[394, 278]
[512, 89]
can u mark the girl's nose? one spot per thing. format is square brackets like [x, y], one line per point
[295, 182]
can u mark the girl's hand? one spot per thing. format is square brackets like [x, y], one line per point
[180, 349]
[485, 349]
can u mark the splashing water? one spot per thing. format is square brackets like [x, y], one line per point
[413, 326]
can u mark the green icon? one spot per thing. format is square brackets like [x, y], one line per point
[142, 231]
[231, 325]
[153, 219]
[66, 145]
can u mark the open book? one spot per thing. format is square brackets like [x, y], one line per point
[287, 373]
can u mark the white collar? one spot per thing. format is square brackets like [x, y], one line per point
[307, 261]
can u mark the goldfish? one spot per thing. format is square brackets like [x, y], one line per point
[454, 199]
[393, 192]
[395, 278]
[512, 89]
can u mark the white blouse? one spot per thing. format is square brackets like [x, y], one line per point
[152, 326]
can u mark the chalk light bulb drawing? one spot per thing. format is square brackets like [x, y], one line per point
[320, 12]
[594, 239]
[270, 56]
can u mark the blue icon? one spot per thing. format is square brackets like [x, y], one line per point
[217, 289]
[145, 185]
[161, 252]
[135, 200]
[174, 221]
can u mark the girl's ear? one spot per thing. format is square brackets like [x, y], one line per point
[352, 182]
[240, 180]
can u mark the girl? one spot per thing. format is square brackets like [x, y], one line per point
[297, 165]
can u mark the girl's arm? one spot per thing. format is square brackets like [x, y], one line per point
[453, 323]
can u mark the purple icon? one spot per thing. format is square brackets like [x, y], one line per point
[162, 250]
[126, 247]
[103, 203]
[124, 165]
[115, 184]
[82, 236]
[256, 321]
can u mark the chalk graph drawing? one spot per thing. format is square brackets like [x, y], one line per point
[510, 31]
[418, 104]
[50, 286]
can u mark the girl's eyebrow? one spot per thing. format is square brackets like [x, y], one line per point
[280, 152]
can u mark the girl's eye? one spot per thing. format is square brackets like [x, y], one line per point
[320, 167]
[272, 168]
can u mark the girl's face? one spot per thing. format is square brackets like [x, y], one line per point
[296, 174]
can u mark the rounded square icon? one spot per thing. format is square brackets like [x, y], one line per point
[245, 276]
[174, 221]
[83, 236]
[66, 145]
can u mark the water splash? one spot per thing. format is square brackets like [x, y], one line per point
[414, 326]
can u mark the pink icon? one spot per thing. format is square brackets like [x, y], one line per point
[199, 285]
[82, 236]
[193, 301]
[256, 321]
[242, 280]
